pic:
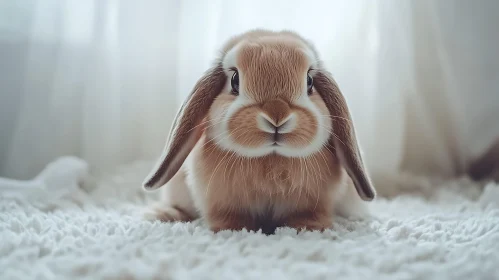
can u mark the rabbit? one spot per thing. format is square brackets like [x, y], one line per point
[264, 140]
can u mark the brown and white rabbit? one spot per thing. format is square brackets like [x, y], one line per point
[264, 140]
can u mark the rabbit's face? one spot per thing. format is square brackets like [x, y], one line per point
[269, 104]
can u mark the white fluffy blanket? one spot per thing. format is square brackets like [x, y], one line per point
[97, 232]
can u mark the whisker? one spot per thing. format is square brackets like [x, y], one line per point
[226, 153]
[235, 156]
[338, 117]
[334, 134]
[325, 146]
[226, 137]
[301, 187]
[215, 171]
[212, 174]
[309, 142]
[318, 172]
[325, 160]
[207, 121]
[229, 164]
[213, 138]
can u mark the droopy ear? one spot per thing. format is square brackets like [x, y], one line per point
[187, 128]
[344, 140]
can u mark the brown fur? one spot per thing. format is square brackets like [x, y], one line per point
[242, 192]
[273, 67]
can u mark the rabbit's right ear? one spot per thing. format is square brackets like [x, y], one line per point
[343, 134]
[187, 128]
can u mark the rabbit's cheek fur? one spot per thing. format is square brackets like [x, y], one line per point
[235, 125]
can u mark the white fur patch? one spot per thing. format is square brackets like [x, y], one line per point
[102, 235]
[230, 58]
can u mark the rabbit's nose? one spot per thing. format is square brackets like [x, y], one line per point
[270, 125]
[277, 110]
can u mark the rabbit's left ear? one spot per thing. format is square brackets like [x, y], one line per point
[344, 140]
[187, 127]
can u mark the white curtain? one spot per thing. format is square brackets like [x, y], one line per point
[103, 79]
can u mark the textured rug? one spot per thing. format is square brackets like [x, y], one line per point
[447, 230]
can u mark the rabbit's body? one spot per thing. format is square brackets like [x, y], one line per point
[272, 146]
[236, 192]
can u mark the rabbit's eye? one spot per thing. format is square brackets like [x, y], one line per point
[310, 84]
[234, 82]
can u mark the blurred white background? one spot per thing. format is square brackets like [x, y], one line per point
[103, 79]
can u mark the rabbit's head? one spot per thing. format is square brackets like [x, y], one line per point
[267, 94]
